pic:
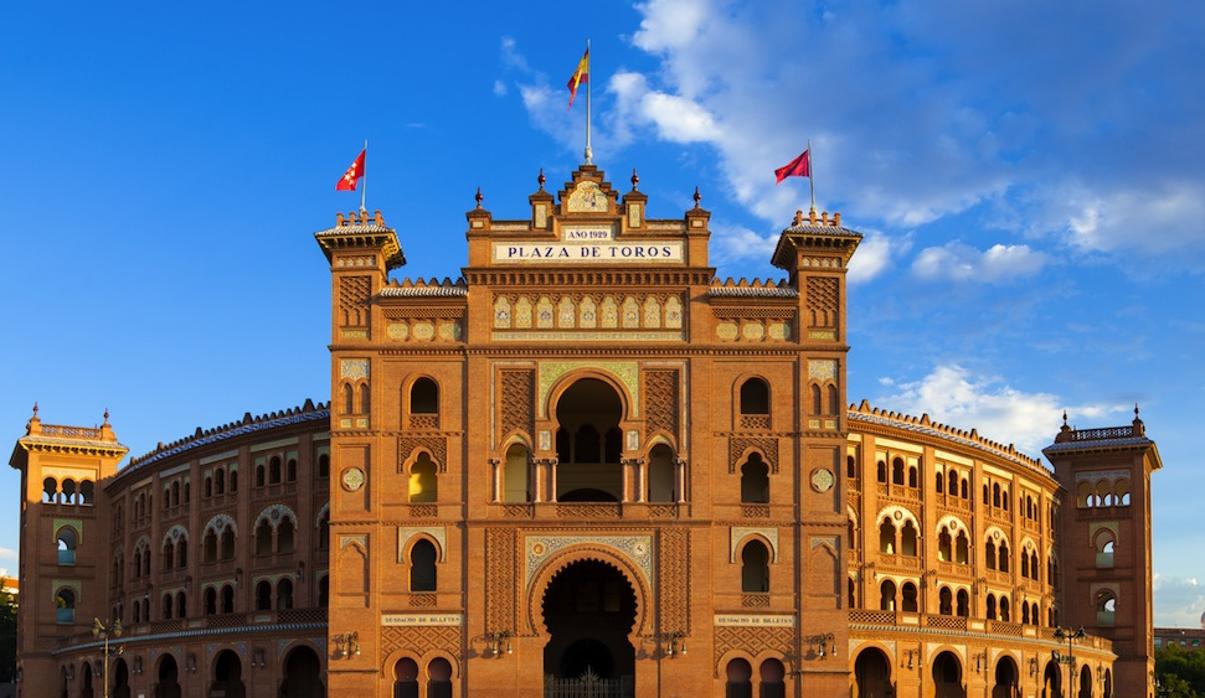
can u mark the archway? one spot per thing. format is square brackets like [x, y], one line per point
[1006, 685]
[1085, 683]
[227, 676]
[589, 443]
[1052, 681]
[85, 690]
[121, 679]
[302, 675]
[947, 676]
[168, 684]
[589, 609]
[872, 674]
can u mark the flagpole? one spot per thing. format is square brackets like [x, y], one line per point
[364, 180]
[589, 152]
[812, 173]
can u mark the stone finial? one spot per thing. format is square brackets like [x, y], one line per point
[540, 179]
[377, 217]
[812, 215]
[339, 218]
[837, 219]
[35, 411]
[798, 218]
[1139, 427]
[697, 197]
[106, 416]
[635, 179]
[478, 197]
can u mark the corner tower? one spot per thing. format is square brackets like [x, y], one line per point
[64, 551]
[1105, 543]
[815, 251]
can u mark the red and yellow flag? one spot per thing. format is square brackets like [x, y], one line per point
[582, 74]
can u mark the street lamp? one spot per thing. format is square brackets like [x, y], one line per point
[1070, 636]
[105, 631]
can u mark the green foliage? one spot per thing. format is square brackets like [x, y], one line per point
[8, 636]
[1181, 672]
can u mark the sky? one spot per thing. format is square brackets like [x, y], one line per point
[1030, 177]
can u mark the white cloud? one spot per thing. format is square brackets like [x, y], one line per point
[7, 553]
[954, 395]
[956, 261]
[1179, 601]
[735, 242]
[1149, 220]
[500, 88]
[874, 256]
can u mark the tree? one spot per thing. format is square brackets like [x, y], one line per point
[1181, 672]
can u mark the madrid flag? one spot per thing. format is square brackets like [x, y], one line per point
[349, 179]
[799, 167]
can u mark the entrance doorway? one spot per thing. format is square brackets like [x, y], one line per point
[947, 676]
[872, 675]
[302, 675]
[589, 609]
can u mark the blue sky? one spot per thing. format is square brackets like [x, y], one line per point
[1030, 178]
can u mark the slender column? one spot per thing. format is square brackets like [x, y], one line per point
[496, 470]
[626, 487]
[680, 479]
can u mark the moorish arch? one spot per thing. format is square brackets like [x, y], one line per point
[588, 411]
[539, 581]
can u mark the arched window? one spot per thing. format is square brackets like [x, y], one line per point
[50, 490]
[64, 606]
[68, 494]
[439, 678]
[755, 568]
[939, 482]
[259, 475]
[887, 536]
[773, 675]
[424, 397]
[662, 479]
[989, 554]
[817, 404]
[987, 497]
[324, 530]
[515, 478]
[897, 471]
[1024, 565]
[284, 536]
[291, 470]
[1106, 545]
[962, 548]
[228, 543]
[365, 400]
[755, 480]
[324, 465]
[882, 472]
[1024, 613]
[210, 545]
[263, 538]
[219, 481]
[349, 399]
[263, 595]
[227, 599]
[964, 603]
[1106, 608]
[182, 553]
[852, 591]
[990, 607]
[953, 489]
[966, 489]
[739, 683]
[211, 601]
[851, 467]
[422, 484]
[284, 594]
[887, 595]
[422, 566]
[834, 401]
[995, 495]
[1003, 556]
[755, 397]
[169, 555]
[168, 606]
[274, 470]
[945, 602]
[908, 537]
[1004, 608]
[1004, 497]
[908, 592]
[913, 479]
[67, 542]
[945, 545]
[405, 678]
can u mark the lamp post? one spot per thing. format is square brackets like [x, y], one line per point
[105, 631]
[1070, 636]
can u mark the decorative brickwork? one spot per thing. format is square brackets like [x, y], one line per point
[673, 580]
[419, 639]
[353, 300]
[500, 580]
[823, 299]
[436, 445]
[765, 445]
[752, 641]
[518, 399]
[661, 401]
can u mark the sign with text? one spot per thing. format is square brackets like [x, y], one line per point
[587, 234]
[603, 252]
[749, 620]
[410, 619]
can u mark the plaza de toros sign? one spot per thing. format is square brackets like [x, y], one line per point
[595, 245]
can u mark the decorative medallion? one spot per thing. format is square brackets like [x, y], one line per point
[822, 479]
[587, 197]
[637, 549]
[353, 369]
[353, 479]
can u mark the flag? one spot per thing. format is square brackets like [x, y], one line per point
[582, 74]
[349, 179]
[799, 167]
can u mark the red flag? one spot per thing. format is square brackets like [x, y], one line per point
[799, 167]
[349, 179]
[582, 74]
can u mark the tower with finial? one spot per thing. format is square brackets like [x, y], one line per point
[1104, 533]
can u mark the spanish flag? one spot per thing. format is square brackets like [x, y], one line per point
[582, 74]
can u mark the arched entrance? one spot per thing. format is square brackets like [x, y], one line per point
[872, 675]
[302, 675]
[947, 676]
[1085, 683]
[589, 609]
[1052, 686]
[168, 683]
[227, 676]
[1006, 685]
[121, 679]
[589, 443]
[85, 690]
